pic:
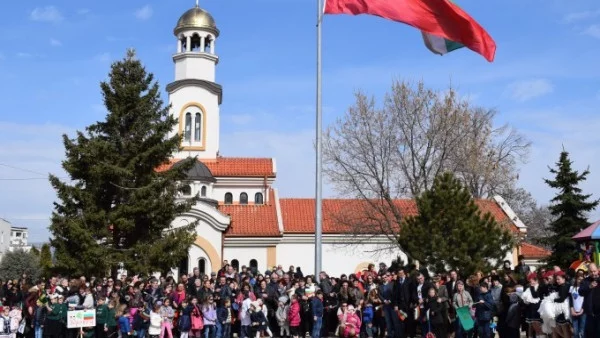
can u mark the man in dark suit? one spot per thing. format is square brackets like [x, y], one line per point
[401, 302]
[418, 294]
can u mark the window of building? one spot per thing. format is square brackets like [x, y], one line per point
[202, 266]
[183, 267]
[198, 127]
[258, 198]
[207, 42]
[228, 198]
[195, 43]
[236, 264]
[243, 198]
[18, 234]
[186, 190]
[187, 135]
[203, 191]
[253, 265]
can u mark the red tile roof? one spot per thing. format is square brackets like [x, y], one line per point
[252, 220]
[531, 251]
[299, 214]
[234, 166]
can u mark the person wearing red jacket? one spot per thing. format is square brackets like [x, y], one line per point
[294, 317]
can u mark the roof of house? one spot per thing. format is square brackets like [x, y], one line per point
[531, 251]
[255, 220]
[234, 166]
[298, 216]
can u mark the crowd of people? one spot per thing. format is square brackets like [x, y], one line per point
[392, 302]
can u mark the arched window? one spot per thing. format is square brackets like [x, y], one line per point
[186, 190]
[207, 42]
[203, 191]
[188, 127]
[258, 198]
[228, 198]
[253, 265]
[236, 264]
[183, 40]
[195, 43]
[202, 266]
[243, 198]
[197, 127]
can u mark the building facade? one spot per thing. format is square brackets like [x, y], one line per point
[241, 217]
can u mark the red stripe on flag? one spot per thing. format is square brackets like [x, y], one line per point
[437, 17]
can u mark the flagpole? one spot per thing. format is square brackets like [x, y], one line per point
[318, 171]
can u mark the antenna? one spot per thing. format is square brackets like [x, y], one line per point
[197, 3]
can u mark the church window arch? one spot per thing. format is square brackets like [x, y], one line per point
[203, 191]
[253, 265]
[186, 190]
[202, 266]
[188, 127]
[236, 264]
[196, 43]
[208, 40]
[258, 198]
[228, 198]
[198, 127]
[243, 198]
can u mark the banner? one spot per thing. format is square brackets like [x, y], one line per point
[81, 318]
[464, 316]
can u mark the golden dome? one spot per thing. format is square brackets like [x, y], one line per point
[196, 18]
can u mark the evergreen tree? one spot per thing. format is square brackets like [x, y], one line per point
[118, 207]
[569, 208]
[46, 260]
[451, 232]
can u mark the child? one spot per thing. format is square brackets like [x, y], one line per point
[257, 317]
[483, 311]
[317, 313]
[282, 318]
[185, 322]
[262, 307]
[15, 320]
[225, 318]
[209, 313]
[196, 317]
[155, 321]
[101, 318]
[167, 314]
[111, 322]
[368, 315]
[294, 317]
[5, 322]
[125, 324]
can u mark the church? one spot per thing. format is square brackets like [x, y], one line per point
[241, 218]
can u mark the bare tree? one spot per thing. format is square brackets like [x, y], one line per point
[536, 217]
[379, 155]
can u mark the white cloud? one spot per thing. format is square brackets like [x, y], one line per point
[593, 30]
[55, 42]
[240, 119]
[143, 13]
[580, 16]
[34, 150]
[104, 57]
[46, 14]
[530, 89]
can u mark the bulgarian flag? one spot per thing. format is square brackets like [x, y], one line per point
[445, 26]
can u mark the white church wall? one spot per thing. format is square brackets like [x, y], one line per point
[337, 258]
[195, 254]
[220, 191]
[245, 254]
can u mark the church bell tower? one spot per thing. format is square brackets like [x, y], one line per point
[194, 96]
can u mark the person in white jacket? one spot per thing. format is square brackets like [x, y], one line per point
[155, 321]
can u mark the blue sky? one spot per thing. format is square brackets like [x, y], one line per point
[53, 54]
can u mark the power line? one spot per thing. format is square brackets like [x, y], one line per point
[23, 169]
[23, 179]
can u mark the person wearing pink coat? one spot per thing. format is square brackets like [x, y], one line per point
[294, 316]
[352, 324]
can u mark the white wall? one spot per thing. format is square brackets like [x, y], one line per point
[245, 254]
[219, 192]
[194, 255]
[337, 259]
[5, 234]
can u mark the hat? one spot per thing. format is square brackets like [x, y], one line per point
[560, 273]
[548, 274]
